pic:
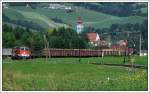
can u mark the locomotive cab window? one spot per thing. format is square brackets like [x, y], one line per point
[24, 48]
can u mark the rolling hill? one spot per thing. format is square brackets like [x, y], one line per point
[43, 17]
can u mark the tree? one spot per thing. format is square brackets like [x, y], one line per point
[38, 42]
[144, 31]
[25, 39]
[8, 40]
[65, 38]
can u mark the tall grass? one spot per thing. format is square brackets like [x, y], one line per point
[69, 74]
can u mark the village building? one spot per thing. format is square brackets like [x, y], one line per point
[122, 43]
[93, 38]
[59, 6]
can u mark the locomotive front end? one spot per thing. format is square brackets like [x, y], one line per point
[25, 53]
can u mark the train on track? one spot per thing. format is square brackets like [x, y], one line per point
[85, 52]
[21, 53]
[27, 53]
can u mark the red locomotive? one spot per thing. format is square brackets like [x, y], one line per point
[21, 53]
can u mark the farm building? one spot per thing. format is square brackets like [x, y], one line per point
[93, 38]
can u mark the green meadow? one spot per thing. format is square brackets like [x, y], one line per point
[71, 74]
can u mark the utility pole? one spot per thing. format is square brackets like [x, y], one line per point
[79, 48]
[126, 47]
[140, 44]
[124, 61]
[46, 46]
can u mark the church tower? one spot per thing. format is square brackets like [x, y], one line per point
[79, 27]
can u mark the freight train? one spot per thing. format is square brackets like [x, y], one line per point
[25, 52]
[85, 52]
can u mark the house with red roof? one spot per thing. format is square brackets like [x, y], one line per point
[93, 38]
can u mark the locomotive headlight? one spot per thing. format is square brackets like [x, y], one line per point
[24, 55]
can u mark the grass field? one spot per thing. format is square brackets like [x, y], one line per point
[69, 74]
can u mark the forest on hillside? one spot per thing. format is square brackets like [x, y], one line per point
[68, 38]
[25, 30]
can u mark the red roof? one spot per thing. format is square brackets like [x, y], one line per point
[92, 36]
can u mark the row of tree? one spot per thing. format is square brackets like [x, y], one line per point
[68, 38]
[60, 38]
[16, 36]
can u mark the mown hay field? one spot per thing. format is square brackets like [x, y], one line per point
[70, 74]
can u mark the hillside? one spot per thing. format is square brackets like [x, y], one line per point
[43, 17]
[41, 20]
